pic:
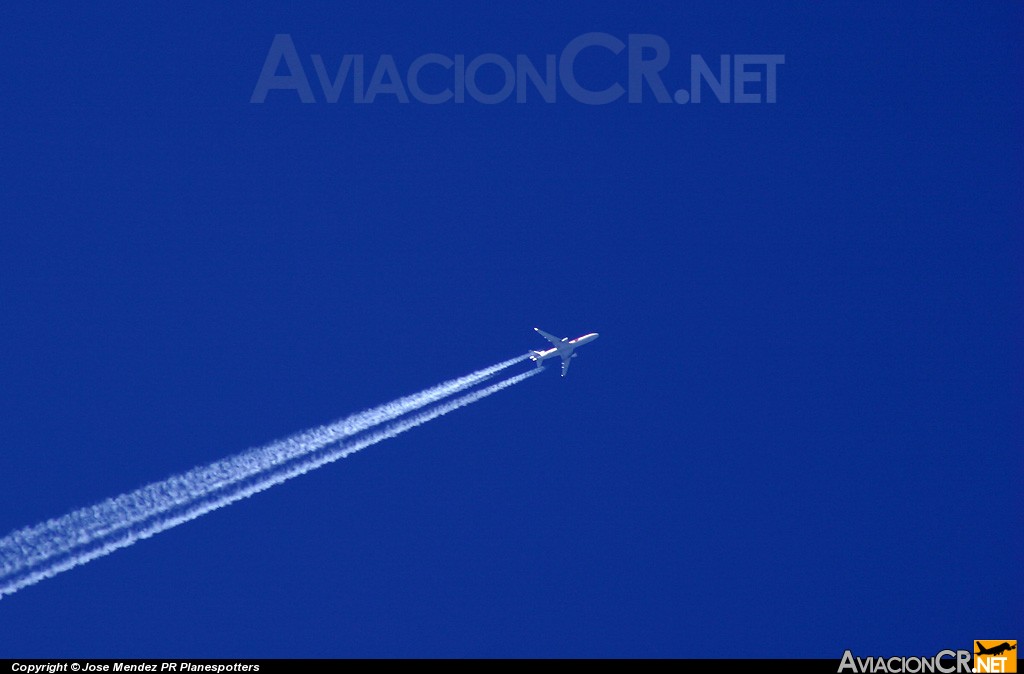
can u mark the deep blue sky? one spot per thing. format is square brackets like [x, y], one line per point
[800, 431]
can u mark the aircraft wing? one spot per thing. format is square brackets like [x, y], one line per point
[566, 361]
[548, 336]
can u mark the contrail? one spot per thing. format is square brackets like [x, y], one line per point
[165, 514]
[60, 535]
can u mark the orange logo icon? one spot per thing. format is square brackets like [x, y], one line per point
[994, 655]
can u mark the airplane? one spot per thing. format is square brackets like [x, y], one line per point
[562, 347]
[994, 650]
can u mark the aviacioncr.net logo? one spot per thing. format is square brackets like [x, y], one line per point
[944, 662]
[493, 78]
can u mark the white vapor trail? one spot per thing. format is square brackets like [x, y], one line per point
[60, 535]
[44, 550]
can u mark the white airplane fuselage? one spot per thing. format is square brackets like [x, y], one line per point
[564, 348]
